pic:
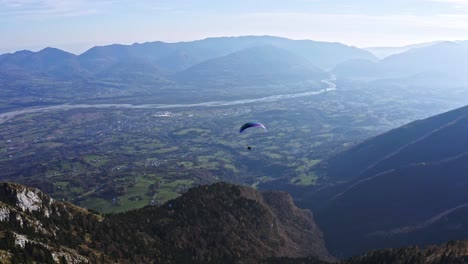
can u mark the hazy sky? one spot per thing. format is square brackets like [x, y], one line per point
[75, 25]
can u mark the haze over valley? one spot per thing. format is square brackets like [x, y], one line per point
[133, 153]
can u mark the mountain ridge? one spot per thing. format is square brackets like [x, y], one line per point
[24, 212]
[259, 65]
[98, 57]
[208, 223]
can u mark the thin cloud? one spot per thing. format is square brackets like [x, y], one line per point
[458, 2]
[361, 30]
[49, 8]
[456, 21]
[459, 5]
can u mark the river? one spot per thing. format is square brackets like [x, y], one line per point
[273, 98]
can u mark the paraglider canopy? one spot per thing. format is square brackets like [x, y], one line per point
[251, 124]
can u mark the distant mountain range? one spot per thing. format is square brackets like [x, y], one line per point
[445, 60]
[240, 67]
[189, 72]
[406, 186]
[171, 57]
[172, 60]
[382, 52]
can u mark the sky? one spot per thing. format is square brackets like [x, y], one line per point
[77, 25]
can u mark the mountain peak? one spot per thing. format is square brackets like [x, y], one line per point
[55, 53]
[23, 52]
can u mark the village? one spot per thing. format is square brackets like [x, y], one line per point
[117, 159]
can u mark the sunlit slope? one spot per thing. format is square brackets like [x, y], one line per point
[220, 223]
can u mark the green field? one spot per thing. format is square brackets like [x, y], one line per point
[115, 159]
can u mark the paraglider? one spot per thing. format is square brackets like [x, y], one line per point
[251, 124]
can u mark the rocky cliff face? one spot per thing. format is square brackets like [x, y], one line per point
[208, 223]
[28, 221]
[24, 198]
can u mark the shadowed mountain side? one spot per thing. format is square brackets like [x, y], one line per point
[406, 198]
[394, 189]
[431, 139]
